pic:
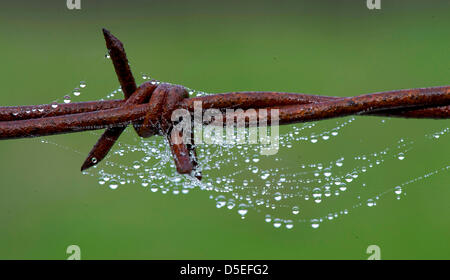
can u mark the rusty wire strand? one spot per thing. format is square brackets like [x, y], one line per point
[149, 107]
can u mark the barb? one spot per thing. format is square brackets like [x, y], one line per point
[149, 108]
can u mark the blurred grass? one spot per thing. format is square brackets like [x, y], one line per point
[329, 47]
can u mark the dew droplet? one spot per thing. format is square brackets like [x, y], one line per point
[277, 196]
[315, 223]
[76, 92]
[67, 99]
[242, 210]
[136, 165]
[154, 188]
[83, 84]
[349, 178]
[317, 195]
[289, 224]
[371, 202]
[277, 223]
[113, 184]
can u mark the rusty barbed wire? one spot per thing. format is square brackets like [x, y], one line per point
[149, 108]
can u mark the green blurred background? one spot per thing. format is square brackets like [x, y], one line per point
[330, 47]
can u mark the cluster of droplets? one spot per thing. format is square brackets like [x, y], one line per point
[114, 93]
[75, 92]
[278, 191]
[297, 133]
[439, 134]
[44, 110]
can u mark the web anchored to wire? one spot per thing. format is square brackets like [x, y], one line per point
[149, 108]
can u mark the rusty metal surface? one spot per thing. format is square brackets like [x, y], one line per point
[13, 113]
[254, 100]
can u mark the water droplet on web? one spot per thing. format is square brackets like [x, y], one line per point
[371, 202]
[289, 224]
[136, 165]
[349, 178]
[401, 156]
[295, 210]
[67, 99]
[83, 84]
[277, 196]
[113, 184]
[220, 201]
[317, 195]
[154, 188]
[107, 56]
[242, 210]
[277, 223]
[230, 204]
[76, 92]
[54, 105]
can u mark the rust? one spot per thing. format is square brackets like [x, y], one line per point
[149, 108]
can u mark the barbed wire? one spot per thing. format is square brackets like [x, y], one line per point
[149, 108]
